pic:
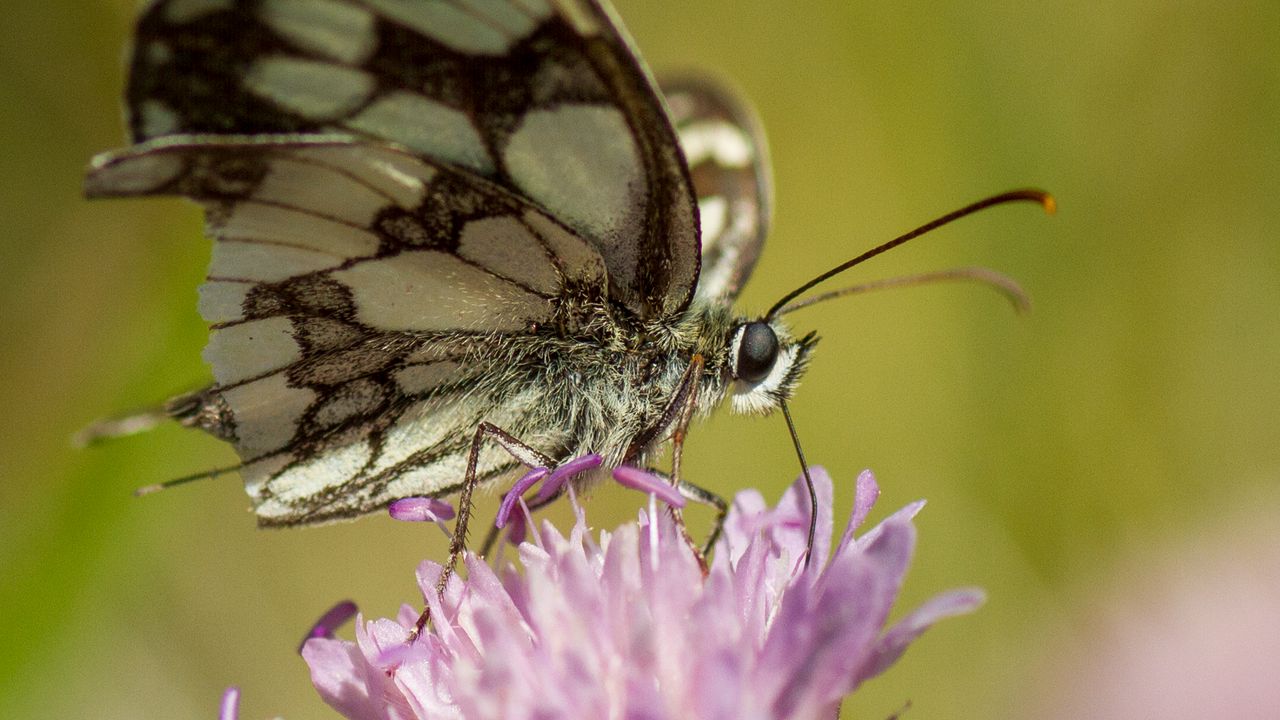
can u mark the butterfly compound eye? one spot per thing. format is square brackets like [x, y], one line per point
[757, 351]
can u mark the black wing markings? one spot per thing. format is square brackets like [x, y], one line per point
[190, 72]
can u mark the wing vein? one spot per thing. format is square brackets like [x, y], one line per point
[347, 174]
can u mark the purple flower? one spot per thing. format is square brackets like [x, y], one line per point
[627, 626]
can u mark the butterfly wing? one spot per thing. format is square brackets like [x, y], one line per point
[542, 97]
[728, 159]
[364, 305]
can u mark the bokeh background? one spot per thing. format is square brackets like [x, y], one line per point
[1067, 455]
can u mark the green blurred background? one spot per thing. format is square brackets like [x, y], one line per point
[1137, 405]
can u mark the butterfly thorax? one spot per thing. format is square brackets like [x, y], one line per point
[610, 384]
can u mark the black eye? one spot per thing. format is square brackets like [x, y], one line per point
[757, 351]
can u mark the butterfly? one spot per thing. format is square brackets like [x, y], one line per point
[451, 238]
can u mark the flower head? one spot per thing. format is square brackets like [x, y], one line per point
[628, 626]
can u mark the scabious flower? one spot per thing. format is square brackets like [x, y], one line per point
[628, 626]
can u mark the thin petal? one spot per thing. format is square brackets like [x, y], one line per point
[790, 521]
[420, 509]
[904, 515]
[334, 618]
[865, 494]
[564, 472]
[229, 709]
[638, 479]
[513, 495]
[344, 680]
[906, 630]
[740, 526]
[717, 679]
[486, 590]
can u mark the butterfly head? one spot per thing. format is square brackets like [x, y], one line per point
[766, 363]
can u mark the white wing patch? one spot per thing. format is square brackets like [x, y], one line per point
[313, 89]
[315, 475]
[410, 433]
[728, 162]
[427, 127]
[322, 191]
[223, 301]
[428, 290]
[402, 178]
[252, 221]
[718, 141]
[581, 162]
[238, 352]
[267, 412]
[158, 118]
[482, 28]
[334, 28]
[713, 216]
[262, 261]
[508, 248]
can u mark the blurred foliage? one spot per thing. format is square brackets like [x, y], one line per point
[1136, 404]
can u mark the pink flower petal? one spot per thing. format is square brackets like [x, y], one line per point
[420, 509]
[345, 680]
[790, 529]
[647, 482]
[333, 618]
[517, 491]
[229, 709]
[906, 630]
[564, 472]
[865, 494]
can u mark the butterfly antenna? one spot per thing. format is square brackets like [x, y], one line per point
[808, 481]
[1025, 195]
[206, 475]
[997, 281]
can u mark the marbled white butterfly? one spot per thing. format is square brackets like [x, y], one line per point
[452, 238]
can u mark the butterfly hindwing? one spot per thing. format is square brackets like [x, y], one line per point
[542, 97]
[361, 302]
[724, 145]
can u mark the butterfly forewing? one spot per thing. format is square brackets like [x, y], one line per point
[542, 97]
[724, 145]
[362, 300]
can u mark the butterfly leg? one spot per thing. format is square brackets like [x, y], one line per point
[681, 413]
[702, 495]
[458, 544]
